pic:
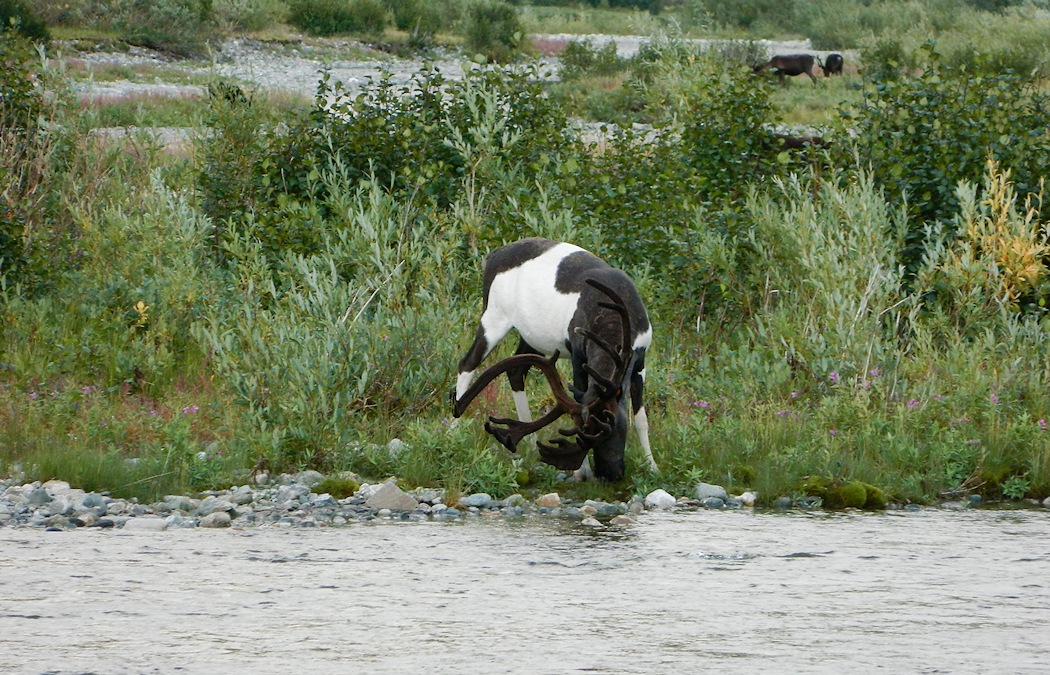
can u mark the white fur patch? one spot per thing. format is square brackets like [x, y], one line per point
[525, 297]
[644, 339]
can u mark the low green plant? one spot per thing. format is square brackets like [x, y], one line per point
[493, 30]
[340, 487]
[421, 19]
[334, 17]
[16, 16]
[248, 15]
[180, 27]
[583, 58]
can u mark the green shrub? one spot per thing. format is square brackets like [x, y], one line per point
[334, 17]
[494, 30]
[340, 487]
[180, 27]
[248, 15]
[228, 180]
[15, 15]
[745, 13]
[421, 139]
[419, 18]
[582, 58]
[904, 130]
[25, 152]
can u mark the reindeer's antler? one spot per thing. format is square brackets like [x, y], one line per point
[592, 422]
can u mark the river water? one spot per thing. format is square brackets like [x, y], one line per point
[930, 591]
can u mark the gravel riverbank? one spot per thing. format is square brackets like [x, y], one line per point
[292, 501]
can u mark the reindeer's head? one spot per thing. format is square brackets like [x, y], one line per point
[599, 413]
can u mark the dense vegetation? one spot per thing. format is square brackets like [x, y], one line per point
[297, 291]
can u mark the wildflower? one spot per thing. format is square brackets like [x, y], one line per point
[1042, 425]
[874, 372]
[995, 400]
[794, 394]
[913, 403]
[33, 395]
[190, 409]
[938, 397]
[701, 404]
[834, 377]
[783, 413]
[87, 389]
[833, 432]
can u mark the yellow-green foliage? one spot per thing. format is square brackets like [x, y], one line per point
[1001, 253]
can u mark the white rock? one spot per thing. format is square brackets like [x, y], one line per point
[145, 524]
[660, 499]
[550, 500]
[748, 498]
[591, 522]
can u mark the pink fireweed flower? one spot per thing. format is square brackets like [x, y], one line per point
[913, 403]
[1042, 425]
[701, 404]
[995, 400]
[834, 377]
[190, 409]
[874, 372]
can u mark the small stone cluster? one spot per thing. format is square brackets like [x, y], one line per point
[288, 501]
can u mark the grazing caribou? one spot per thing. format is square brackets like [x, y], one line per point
[564, 301]
[789, 64]
[832, 65]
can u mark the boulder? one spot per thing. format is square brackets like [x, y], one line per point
[660, 499]
[216, 519]
[390, 496]
[706, 490]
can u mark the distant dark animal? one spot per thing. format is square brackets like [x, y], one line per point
[832, 65]
[789, 142]
[789, 64]
[564, 301]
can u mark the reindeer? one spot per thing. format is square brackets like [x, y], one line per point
[832, 65]
[789, 64]
[564, 301]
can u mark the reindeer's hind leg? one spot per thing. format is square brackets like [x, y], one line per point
[641, 420]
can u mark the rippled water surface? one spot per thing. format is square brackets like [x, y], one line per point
[931, 591]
